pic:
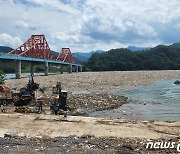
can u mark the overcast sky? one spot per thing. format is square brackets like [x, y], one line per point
[86, 25]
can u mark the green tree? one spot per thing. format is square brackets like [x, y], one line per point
[2, 77]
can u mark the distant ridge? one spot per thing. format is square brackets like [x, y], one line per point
[176, 45]
[133, 48]
[82, 57]
[5, 49]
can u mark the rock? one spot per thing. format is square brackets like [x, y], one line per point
[166, 137]
[177, 82]
[86, 141]
[126, 149]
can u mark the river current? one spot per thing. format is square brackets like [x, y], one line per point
[160, 101]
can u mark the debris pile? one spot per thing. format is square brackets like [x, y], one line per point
[95, 102]
[83, 144]
[15, 134]
[23, 109]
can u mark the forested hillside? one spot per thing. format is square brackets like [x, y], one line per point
[157, 58]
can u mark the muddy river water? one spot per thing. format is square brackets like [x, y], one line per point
[160, 101]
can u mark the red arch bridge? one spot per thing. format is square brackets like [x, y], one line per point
[36, 49]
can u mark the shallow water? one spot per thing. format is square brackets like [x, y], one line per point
[80, 92]
[160, 101]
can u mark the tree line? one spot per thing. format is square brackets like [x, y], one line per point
[158, 58]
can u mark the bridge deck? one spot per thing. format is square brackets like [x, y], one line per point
[15, 57]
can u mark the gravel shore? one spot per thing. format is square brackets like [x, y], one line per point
[93, 90]
[97, 82]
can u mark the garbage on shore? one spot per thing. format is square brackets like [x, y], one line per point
[96, 102]
[23, 109]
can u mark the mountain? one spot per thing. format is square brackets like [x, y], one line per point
[176, 45]
[85, 56]
[5, 49]
[133, 48]
[78, 58]
[160, 57]
[55, 53]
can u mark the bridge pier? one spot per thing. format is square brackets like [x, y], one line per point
[32, 69]
[71, 69]
[61, 69]
[77, 69]
[80, 68]
[46, 69]
[18, 69]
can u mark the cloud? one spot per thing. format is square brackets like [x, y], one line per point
[131, 21]
[85, 25]
[66, 37]
[10, 41]
[22, 24]
[54, 4]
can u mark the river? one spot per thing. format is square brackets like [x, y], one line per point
[24, 75]
[160, 101]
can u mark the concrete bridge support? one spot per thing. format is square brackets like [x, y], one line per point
[18, 69]
[71, 69]
[46, 69]
[80, 68]
[32, 68]
[61, 69]
[77, 69]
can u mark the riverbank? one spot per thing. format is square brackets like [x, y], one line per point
[97, 82]
[92, 91]
[54, 134]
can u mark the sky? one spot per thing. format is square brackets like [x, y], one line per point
[89, 25]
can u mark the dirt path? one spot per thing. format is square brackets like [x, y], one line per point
[53, 126]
